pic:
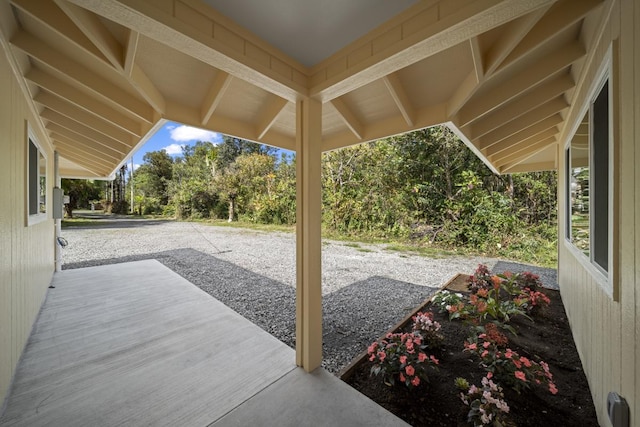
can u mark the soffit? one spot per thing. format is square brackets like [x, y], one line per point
[501, 73]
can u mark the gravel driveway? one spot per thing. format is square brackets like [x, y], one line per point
[366, 288]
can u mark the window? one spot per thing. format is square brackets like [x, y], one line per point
[36, 181]
[589, 184]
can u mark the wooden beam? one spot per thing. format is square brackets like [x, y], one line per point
[525, 81]
[74, 122]
[82, 100]
[50, 15]
[80, 156]
[462, 94]
[79, 135]
[211, 101]
[477, 57]
[508, 163]
[530, 167]
[520, 106]
[95, 31]
[526, 120]
[130, 52]
[559, 17]
[70, 110]
[511, 36]
[492, 148]
[348, 117]
[394, 85]
[84, 149]
[497, 149]
[146, 88]
[519, 149]
[269, 114]
[100, 87]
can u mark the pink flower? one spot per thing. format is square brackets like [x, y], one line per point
[526, 362]
[382, 355]
[508, 353]
[410, 370]
[372, 348]
[552, 388]
[403, 359]
[422, 357]
[433, 359]
[472, 346]
[372, 358]
[415, 381]
[484, 354]
[402, 377]
[489, 375]
[486, 344]
[520, 375]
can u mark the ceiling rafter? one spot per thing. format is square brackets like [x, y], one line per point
[219, 86]
[540, 140]
[90, 146]
[95, 31]
[560, 16]
[79, 155]
[269, 114]
[82, 100]
[508, 163]
[61, 141]
[70, 110]
[528, 80]
[520, 106]
[477, 57]
[51, 16]
[80, 135]
[130, 52]
[77, 123]
[99, 87]
[349, 118]
[399, 95]
[492, 148]
[512, 35]
[526, 120]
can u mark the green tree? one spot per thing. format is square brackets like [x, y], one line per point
[81, 193]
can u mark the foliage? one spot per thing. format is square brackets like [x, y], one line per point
[81, 193]
[428, 328]
[486, 403]
[401, 356]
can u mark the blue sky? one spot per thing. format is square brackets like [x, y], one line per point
[172, 137]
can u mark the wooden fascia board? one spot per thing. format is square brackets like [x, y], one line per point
[269, 114]
[99, 87]
[407, 39]
[81, 100]
[400, 98]
[560, 16]
[210, 38]
[73, 121]
[63, 107]
[95, 31]
[520, 106]
[485, 103]
[526, 120]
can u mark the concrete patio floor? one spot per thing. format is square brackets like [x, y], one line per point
[136, 344]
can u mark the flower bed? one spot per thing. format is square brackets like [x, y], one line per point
[506, 358]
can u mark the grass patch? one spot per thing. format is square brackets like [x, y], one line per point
[364, 250]
[78, 222]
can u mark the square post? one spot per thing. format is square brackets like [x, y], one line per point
[308, 234]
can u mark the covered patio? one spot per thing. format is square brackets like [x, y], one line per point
[136, 344]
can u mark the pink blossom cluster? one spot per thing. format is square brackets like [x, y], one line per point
[485, 403]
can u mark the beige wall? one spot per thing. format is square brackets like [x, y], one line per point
[607, 331]
[26, 252]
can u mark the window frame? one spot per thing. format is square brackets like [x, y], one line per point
[606, 278]
[38, 217]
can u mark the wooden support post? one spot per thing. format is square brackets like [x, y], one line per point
[308, 237]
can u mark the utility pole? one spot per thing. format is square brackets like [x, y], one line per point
[131, 178]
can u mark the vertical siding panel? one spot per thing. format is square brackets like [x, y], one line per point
[635, 108]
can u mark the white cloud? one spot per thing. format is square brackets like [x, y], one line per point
[170, 127]
[187, 133]
[135, 166]
[173, 149]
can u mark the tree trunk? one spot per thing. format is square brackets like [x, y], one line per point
[232, 209]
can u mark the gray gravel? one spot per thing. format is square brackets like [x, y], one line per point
[366, 288]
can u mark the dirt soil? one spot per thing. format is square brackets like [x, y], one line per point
[437, 402]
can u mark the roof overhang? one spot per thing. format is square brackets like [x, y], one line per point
[104, 74]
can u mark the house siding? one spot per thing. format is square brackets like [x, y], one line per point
[606, 330]
[26, 252]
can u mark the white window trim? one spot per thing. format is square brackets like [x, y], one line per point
[40, 216]
[605, 279]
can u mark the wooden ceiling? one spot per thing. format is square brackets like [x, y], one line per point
[105, 74]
